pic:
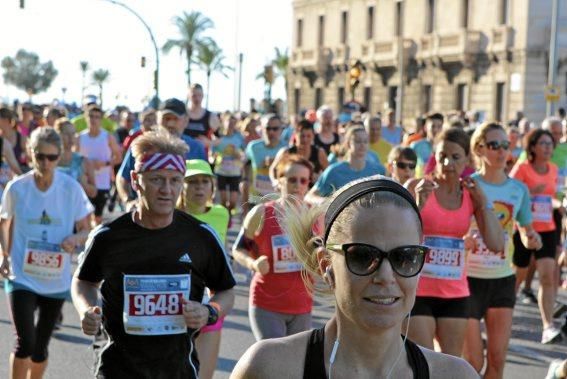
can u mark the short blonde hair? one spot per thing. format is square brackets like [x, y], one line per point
[64, 126]
[159, 141]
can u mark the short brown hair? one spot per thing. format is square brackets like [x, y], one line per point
[289, 160]
[159, 141]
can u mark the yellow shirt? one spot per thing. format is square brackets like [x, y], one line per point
[382, 148]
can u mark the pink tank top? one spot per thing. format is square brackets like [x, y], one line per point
[444, 274]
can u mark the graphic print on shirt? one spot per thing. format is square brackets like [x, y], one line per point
[542, 208]
[153, 304]
[284, 256]
[446, 259]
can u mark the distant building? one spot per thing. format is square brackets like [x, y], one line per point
[485, 55]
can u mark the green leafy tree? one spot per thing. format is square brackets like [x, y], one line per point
[26, 72]
[191, 27]
[84, 69]
[281, 64]
[211, 59]
[100, 77]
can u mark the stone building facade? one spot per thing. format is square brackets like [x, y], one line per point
[486, 55]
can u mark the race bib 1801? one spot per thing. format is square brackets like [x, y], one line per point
[542, 208]
[44, 260]
[284, 257]
[152, 304]
[446, 259]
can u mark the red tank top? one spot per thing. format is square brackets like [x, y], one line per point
[281, 289]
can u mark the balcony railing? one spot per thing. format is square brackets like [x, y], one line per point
[502, 39]
[386, 53]
[460, 46]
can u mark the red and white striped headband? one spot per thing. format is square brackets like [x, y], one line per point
[161, 161]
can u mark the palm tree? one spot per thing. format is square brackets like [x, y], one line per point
[84, 68]
[281, 63]
[210, 58]
[191, 27]
[100, 77]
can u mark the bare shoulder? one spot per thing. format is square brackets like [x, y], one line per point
[274, 358]
[447, 366]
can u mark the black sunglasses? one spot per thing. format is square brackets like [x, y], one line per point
[49, 157]
[363, 259]
[272, 128]
[496, 145]
[403, 165]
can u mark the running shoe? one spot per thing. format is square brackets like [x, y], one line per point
[553, 367]
[528, 296]
[551, 335]
[559, 310]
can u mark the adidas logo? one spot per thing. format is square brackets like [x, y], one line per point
[185, 258]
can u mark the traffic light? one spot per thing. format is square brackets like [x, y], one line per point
[143, 62]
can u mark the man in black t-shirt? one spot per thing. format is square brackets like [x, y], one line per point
[152, 266]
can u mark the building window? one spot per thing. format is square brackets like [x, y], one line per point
[344, 27]
[340, 98]
[321, 30]
[318, 98]
[427, 98]
[392, 95]
[500, 101]
[430, 16]
[465, 13]
[398, 19]
[462, 97]
[504, 12]
[368, 98]
[370, 23]
[299, 41]
[297, 100]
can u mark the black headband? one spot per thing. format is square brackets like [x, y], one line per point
[360, 189]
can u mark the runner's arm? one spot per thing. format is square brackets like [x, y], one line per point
[5, 233]
[115, 149]
[489, 228]
[223, 301]
[88, 178]
[244, 246]
[84, 294]
[8, 153]
[279, 156]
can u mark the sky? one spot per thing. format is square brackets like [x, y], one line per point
[109, 37]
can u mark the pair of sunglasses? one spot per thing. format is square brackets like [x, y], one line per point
[272, 128]
[294, 180]
[363, 259]
[403, 165]
[49, 157]
[496, 145]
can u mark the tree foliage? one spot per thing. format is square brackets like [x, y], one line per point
[100, 77]
[191, 27]
[211, 59]
[26, 72]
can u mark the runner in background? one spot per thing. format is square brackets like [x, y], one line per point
[425, 148]
[540, 176]
[71, 162]
[490, 275]
[148, 120]
[402, 162]
[81, 123]
[197, 200]
[39, 212]
[202, 123]
[326, 135]
[377, 144]
[280, 304]
[228, 153]
[10, 133]
[391, 132]
[153, 261]
[354, 166]
[261, 154]
[447, 204]
[9, 166]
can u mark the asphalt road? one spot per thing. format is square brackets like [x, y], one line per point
[71, 355]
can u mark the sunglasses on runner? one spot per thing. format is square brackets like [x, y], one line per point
[49, 157]
[363, 259]
[272, 128]
[403, 165]
[294, 180]
[496, 145]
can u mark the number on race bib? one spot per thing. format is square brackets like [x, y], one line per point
[45, 260]
[444, 257]
[155, 304]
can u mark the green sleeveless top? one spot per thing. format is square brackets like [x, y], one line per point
[217, 217]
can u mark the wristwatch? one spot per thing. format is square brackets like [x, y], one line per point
[213, 314]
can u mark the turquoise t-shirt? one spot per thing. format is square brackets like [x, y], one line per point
[257, 152]
[511, 202]
[338, 174]
[228, 151]
[393, 137]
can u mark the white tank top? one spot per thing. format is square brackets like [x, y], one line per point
[97, 148]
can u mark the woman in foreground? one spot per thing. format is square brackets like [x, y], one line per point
[371, 267]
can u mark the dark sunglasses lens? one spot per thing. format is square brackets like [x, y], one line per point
[403, 165]
[407, 261]
[360, 259]
[49, 157]
[505, 145]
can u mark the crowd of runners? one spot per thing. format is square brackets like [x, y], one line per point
[321, 197]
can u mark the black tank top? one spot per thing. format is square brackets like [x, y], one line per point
[199, 127]
[313, 157]
[327, 146]
[314, 367]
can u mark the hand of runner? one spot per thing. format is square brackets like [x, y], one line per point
[70, 243]
[477, 195]
[194, 313]
[261, 265]
[470, 242]
[91, 320]
[532, 240]
[423, 189]
[5, 267]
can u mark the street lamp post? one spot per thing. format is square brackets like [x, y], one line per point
[155, 100]
[550, 109]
